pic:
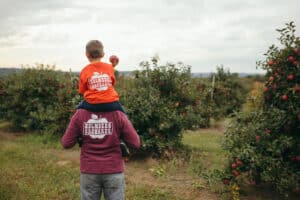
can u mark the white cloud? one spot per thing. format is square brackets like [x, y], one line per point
[200, 33]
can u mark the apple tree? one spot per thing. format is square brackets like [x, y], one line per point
[161, 102]
[39, 99]
[264, 143]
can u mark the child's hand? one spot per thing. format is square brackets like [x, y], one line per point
[114, 60]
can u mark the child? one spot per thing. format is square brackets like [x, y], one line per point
[96, 84]
[97, 81]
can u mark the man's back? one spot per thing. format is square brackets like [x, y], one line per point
[101, 131]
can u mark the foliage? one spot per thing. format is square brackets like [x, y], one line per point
[161, 103]
[39, 99]
[2, 97]
[227, 95]
[254, 100]
[264, 144]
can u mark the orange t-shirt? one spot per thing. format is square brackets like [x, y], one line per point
[96, 83]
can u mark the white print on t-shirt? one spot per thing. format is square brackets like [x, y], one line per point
[97, 127]
[100, 81]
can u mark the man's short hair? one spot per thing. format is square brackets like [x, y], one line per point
[94, 48]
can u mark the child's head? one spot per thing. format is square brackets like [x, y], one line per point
[94, 50]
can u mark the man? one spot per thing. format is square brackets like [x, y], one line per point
[101, 163]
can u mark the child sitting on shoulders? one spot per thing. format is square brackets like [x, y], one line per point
[97, 80]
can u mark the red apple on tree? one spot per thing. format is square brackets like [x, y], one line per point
[239, 162]
[268, 131]
[271, 78]
[257, 138]
[226, 181]
[291, 59]
[278, 70]
[252, 182]
[290, 77]
[285, 97]
[270, 63]
[235, 173]
[234, 165]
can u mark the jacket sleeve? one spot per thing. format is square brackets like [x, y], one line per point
[130, 135]
[69, 139]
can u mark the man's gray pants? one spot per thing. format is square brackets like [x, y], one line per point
[112, 185]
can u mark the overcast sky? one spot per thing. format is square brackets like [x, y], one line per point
[200, 33]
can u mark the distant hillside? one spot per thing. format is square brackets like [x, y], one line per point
[6, 71]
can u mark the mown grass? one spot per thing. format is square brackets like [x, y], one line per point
[207, 148]
[207, 159]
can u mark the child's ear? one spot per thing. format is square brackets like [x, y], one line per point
[102, 55]
[87, 55]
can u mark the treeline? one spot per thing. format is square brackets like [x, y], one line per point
[161, 100]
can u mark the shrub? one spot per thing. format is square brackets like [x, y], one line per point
[264, 144]
[227, 95]
[39, 99]
[161, 103]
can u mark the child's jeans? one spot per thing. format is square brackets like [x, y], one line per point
[102, 107]
[112, 185]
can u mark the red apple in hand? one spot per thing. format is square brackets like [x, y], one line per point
[114, 60]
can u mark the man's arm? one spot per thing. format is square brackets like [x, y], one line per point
[130, 135]
[69, 139]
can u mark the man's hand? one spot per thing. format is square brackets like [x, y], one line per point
[79, 140]
[114, 60]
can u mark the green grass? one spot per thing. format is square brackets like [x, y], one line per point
[206, 148]
[36, 167]
[208, 141]
[30, 169]
[207, 158]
